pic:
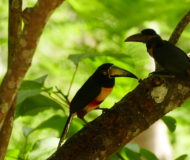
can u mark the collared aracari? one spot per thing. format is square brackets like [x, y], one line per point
[172, 59]
[93, 92]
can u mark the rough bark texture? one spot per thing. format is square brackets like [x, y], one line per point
[34, 21]
[152, 99]
[6, 130]
[22, 45]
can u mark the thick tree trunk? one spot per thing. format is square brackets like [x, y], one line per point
[22, 45]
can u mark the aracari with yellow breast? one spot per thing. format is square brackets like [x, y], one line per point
[93, 92]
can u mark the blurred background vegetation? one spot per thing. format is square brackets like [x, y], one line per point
[84, 34]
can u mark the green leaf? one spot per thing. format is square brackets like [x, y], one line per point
[30, 88]
[132, 155]
[49, 90]
[182, 157]
[41, 79]
[43, 149]
[170, 123]
[148, 155]
[76, 58]
[56, 122]
[132, 152]
[12, 154]
[26, 130]
[134, 147]
[114, 157]
[35, 104]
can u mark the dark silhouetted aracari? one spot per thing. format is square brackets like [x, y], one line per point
[93, 92]
[172, 59]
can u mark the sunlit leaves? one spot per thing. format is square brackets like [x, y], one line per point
[12, 154]
[30, 88]
[43, 148]
[148, 155]
[76, 58]
[134, 152]
[36, 104]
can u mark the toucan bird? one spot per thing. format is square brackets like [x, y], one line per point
[93, 92]
[172, 59]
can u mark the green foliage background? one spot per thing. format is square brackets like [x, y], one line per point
[87, 33]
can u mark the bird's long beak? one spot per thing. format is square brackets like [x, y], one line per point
[139, 38]
[115, 71]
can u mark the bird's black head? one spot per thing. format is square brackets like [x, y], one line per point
[148, 31]
[144, 36]
[154, 42]
[110, 71]
[106, 73]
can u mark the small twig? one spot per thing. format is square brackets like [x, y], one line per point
[73, 77]
[63, 95]
[64, 104]
[179, 28]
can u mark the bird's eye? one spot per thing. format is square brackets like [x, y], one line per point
[104, 73]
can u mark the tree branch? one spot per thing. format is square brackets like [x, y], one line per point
[14, 26]
[179, 28]
[125, 120]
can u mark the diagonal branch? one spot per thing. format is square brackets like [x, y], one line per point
[125, 120]
[179, 28]
[6, 130]
[14, 28]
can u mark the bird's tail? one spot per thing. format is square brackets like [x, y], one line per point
[65, 130]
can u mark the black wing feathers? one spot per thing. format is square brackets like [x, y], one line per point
[88, 92]
[171, 58]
